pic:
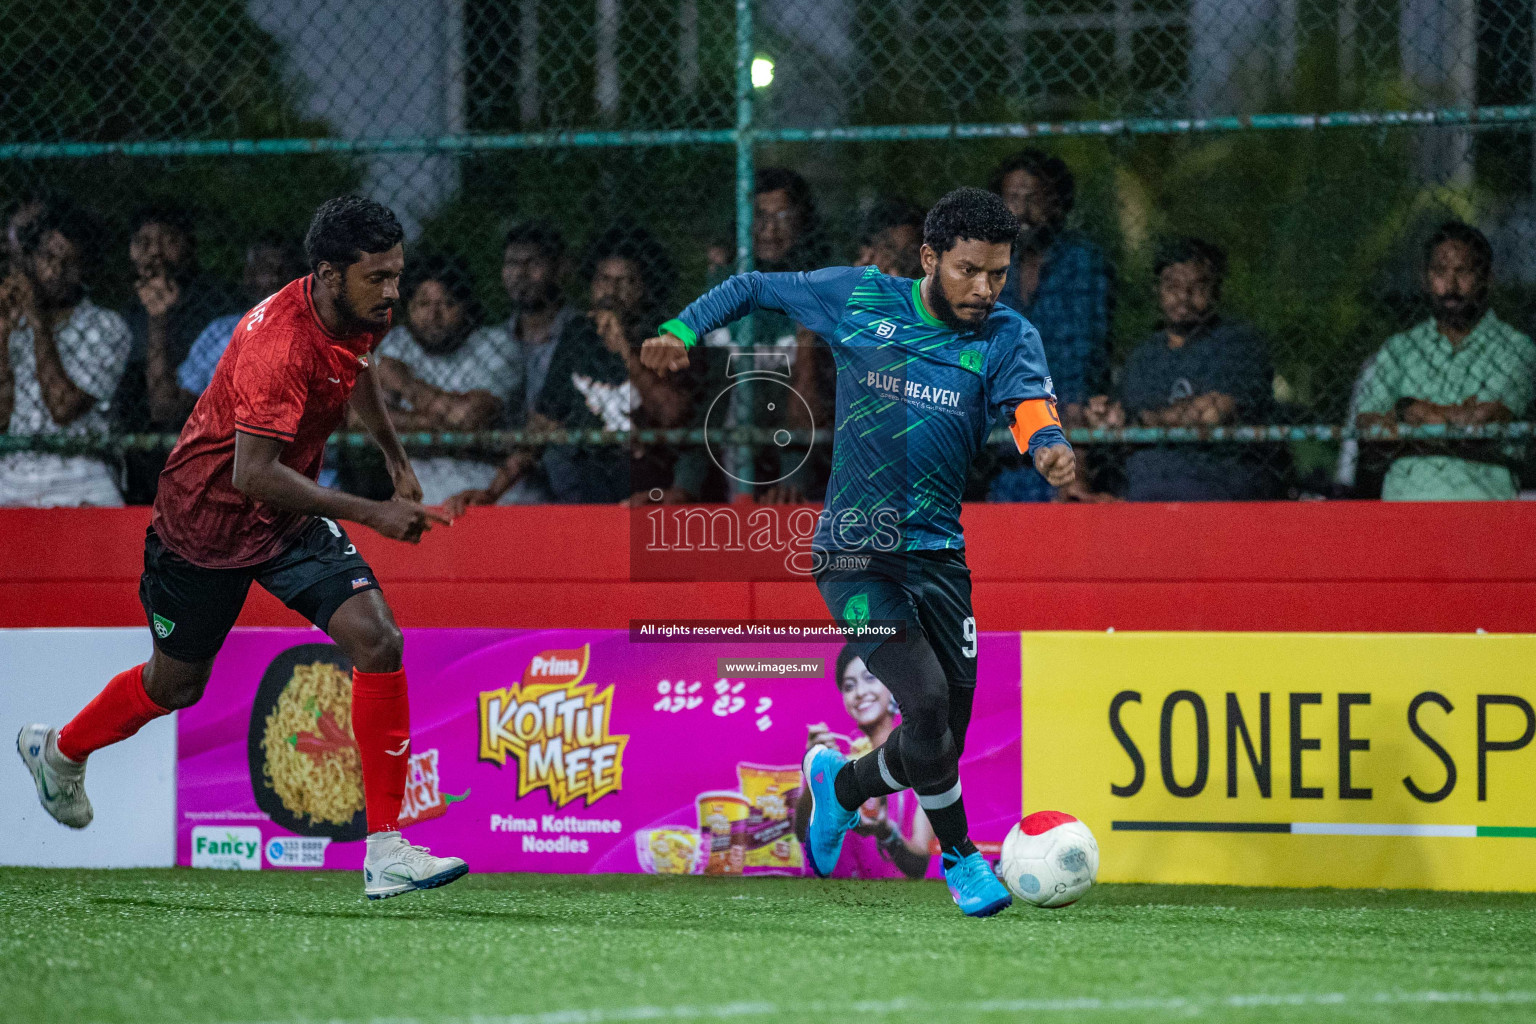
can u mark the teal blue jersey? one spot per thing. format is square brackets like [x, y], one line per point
[916, 399]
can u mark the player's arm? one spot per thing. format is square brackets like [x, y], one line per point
[815, 299]
[1019, 386]
[1036, 430]
[367, 403]
[261, 475]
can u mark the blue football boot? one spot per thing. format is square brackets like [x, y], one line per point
[976, 890]
[829, 821]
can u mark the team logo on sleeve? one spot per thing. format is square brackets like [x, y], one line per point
[856, 611]
[971, 359]
[163, 626]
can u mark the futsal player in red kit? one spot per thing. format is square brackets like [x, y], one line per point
[238, 501]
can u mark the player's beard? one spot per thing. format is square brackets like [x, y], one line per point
[948, 315]
[356, 323]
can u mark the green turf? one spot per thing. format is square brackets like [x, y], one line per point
[209, 946]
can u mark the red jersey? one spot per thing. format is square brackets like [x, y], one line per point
[283, 376]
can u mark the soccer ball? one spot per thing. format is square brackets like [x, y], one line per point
[1049, 859]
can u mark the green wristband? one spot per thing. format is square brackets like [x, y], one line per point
[678, 329]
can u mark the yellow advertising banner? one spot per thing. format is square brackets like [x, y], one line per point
[1297, 759]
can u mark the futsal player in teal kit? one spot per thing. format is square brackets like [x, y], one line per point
[924, 370]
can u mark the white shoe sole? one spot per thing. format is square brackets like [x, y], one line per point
[453, 874]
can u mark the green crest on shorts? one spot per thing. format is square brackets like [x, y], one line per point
[856, 611]
[163, 626]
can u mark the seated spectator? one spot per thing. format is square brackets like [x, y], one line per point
[270, 263]
[176, 301]
[595, 382]
[1463, 366]
[1062, 283]
[64, 360]
[533, 263]
[1198, 370]
[441, 371]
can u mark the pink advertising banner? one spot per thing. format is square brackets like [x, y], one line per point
[567, 751]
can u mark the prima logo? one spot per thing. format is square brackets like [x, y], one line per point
[556, 729]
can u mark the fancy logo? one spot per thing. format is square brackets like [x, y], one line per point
[557, 729]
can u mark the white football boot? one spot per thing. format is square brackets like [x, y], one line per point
[394, 866]
[60, 781]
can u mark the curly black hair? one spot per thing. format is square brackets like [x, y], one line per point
[889, 212]
[627, 240]
[540, 234]
[346, 227]
[1051, 171]
[448, 271]
[969, 213]
[1466, 234]
[1184, 249]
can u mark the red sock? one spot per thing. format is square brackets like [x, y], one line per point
[117, 712]
[381, 724]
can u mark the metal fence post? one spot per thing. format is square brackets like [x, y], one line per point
[742, 334]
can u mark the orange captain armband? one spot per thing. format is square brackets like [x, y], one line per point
[1032, 414]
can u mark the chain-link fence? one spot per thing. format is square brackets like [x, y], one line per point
[1226, 208]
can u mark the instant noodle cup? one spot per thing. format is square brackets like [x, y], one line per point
[671, 851]
[772, 848]
[723, 821]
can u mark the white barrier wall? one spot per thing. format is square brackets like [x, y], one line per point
[46, 675]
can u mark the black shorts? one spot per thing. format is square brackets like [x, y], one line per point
[928, 591]
[192, 609]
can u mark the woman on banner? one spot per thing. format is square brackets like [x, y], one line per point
[893, 836]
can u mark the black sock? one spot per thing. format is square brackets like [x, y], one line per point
[951, 829]
[862, 779]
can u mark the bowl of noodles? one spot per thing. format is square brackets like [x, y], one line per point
[306, 772]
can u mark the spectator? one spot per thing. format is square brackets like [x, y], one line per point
[270, 263]
[595, 382]
[441, 371]
[65, 357]
[176, 302]
[892, 238]
[533, 260]
[1197, 370]
[1462, 367]
[786, 236]
[1062, 283]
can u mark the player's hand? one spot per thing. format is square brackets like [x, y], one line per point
[407, 487]
[1057, 464]
[664, 354]
[158, 294]
[818, 735]
[404, 520]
